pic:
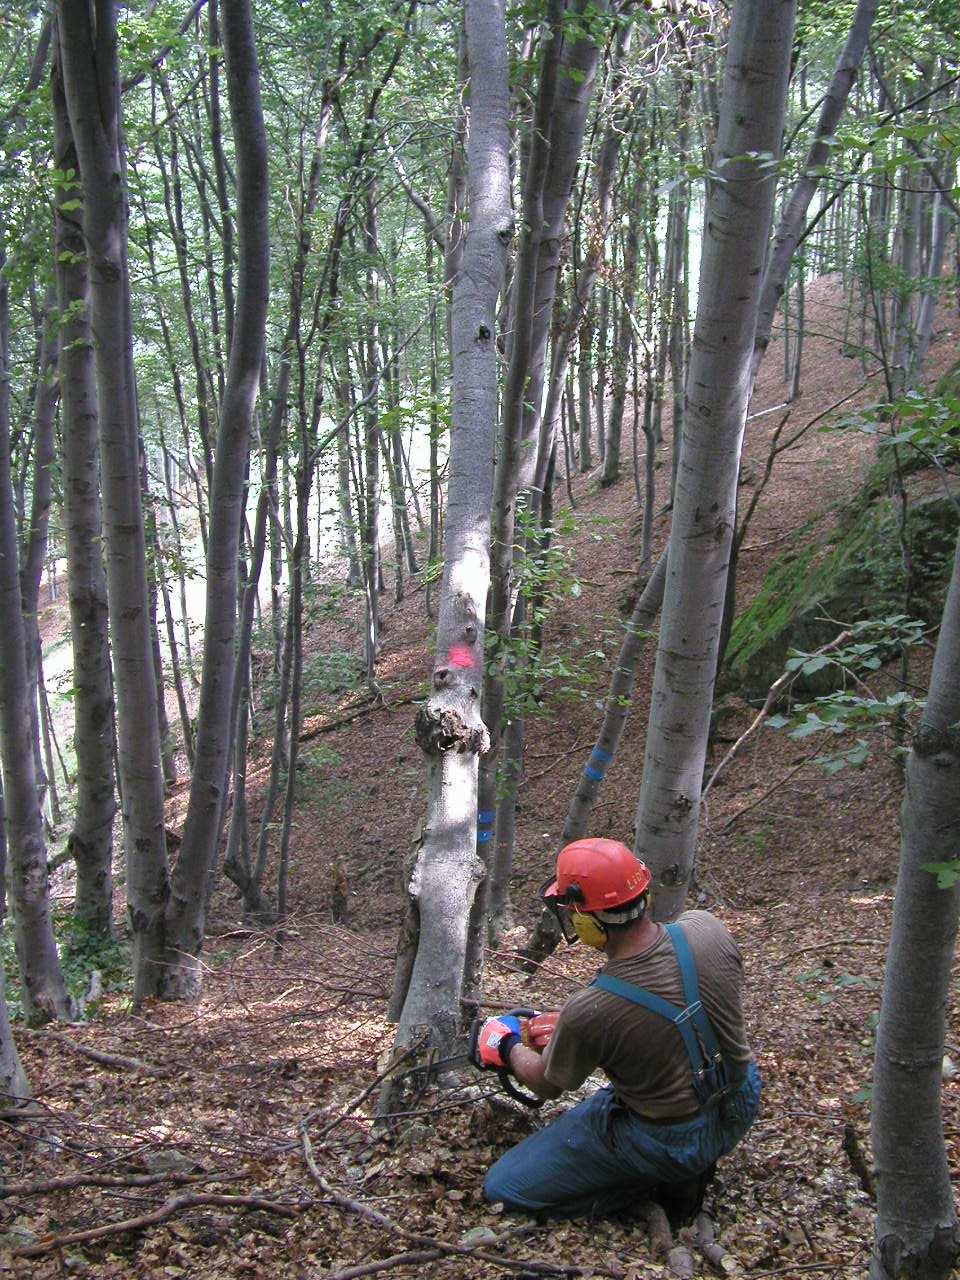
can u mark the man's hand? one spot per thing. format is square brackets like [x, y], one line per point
[497, 1036]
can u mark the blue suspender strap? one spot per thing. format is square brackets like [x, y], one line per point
[679, 1017]
[691, 991]
[699, 1038]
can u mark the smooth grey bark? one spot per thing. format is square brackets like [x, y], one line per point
[44, 993]
[793, 219]
[88, 46]
[736, 228]
[573, 94]
[14, 1086]
[449, 728]
[35, 521]
[187, 907]
[916, 1233]
[620, 358]
[91, 838]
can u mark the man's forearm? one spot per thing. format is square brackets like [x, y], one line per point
[527, 1066]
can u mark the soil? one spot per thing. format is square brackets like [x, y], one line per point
[799, 864]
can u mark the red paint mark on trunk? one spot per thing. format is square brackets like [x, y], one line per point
[460, 656]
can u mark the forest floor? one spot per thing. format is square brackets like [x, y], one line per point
[202, 1142]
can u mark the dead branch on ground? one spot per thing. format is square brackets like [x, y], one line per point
[118, 1060]
[178, 1204]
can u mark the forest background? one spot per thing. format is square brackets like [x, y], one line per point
[237, 244]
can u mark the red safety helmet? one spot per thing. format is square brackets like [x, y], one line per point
[597, 875]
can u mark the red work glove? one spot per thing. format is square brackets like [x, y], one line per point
[496, 1038]
[538, 1031]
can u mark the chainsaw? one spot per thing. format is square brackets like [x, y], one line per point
[472, 1057]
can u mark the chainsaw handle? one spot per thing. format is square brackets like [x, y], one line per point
[528, 1099]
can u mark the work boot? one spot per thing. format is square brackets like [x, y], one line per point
[682, 1201]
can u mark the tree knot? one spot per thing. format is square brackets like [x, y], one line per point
[442, 729]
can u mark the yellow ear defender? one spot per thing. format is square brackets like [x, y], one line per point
[589, 929]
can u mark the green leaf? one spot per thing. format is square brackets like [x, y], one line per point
[947, 873]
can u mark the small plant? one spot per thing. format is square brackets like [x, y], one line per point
[81, 952]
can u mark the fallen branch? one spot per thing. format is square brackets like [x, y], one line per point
[68, 1182]
[167, 1210]
[385, 1264]
[117, 1060]
[362, 1096]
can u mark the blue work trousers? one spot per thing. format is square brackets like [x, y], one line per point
[599, 1157]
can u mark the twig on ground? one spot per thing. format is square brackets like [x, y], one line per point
[167, 1210]
[362, 1096]
[384, 1264]
[754, 804]
[118, 1060]
[795, 1268]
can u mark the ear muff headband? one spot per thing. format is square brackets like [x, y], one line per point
[589, 929]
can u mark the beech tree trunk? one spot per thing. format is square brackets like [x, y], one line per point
[14, 1086]
[187, 908]
[44, 993]
[916, 1233]
[449, 728]
[736, 228]
[88, 46]
[91, 839]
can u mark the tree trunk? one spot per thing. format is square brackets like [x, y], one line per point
[14, 1085]
[737, 225]
[916, 1232]
[792, 221]
[91, 84]
[44, 993]
[91, 839]
[187, 908]
[449, 728]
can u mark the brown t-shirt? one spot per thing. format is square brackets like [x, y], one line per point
[642, 1054]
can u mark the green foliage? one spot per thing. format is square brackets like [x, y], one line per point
[318, 787]
[947, 873]
[845, 711]
[545, 578]
[81, 952]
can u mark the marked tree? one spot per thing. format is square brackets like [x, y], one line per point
[449, 728]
